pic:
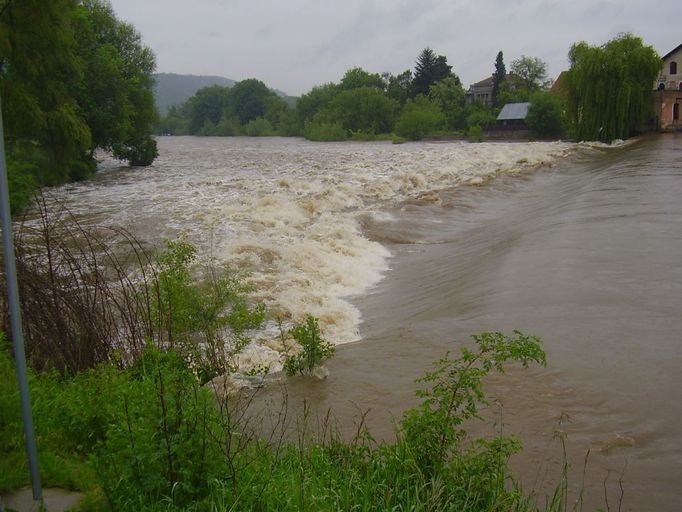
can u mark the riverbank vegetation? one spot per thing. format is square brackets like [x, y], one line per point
[149, 437]
[75, 79]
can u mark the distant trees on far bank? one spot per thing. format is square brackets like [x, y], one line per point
[606, 96]
[362, 105]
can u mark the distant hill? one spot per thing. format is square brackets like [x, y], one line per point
[173, 89]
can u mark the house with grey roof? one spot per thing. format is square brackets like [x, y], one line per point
[513, 115]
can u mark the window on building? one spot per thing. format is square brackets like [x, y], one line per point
[676, 112]
[661, 86]
[673, 68]
[680, 86]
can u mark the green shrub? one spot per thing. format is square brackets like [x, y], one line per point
[324, 131]
[481, 117]
[22, 183]
[397, 139]
[205, 319]
[149, 438]
[475, 134]
[227, 127]
[140, 152]
[259, 127]
[455, 392]
[208, 129]
[546, 116]
[369, 136]
[314, 351]
[157, 444]
[419, 118]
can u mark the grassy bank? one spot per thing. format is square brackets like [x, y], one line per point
[151, 437]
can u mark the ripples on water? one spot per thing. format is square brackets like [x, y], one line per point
[291, 211]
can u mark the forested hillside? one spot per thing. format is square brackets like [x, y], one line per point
[173, 89]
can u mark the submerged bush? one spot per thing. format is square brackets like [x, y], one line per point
[314, 348]
[455, 393]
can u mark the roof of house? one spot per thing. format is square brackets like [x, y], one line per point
[671, 52]
[560, 82]
[513, 111]
[485, 82]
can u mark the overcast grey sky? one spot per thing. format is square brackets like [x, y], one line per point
[293, 45]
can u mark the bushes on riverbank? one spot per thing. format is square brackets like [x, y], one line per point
[150, 437]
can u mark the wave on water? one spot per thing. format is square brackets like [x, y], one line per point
[290, 211]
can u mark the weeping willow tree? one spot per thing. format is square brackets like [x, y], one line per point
[610, 88]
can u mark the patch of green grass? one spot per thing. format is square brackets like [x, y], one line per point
[150, 438]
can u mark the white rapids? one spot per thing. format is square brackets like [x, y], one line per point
[288, 210]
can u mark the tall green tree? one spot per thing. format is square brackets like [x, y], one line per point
[314, 101]
[449, 95]
[358, 77]
[116, 93]
[530, 72]
[77, 80]
[420, 117]
[499, 75]
[398, 87]
[206, 107]
[365, 109]
[247, 99]
[546, 115]
[42, 121]
[429, 69]
[610, 87]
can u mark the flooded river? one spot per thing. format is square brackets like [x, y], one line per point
[408, 250]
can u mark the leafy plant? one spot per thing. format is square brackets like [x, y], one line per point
[206, 319]
[456, 393]
[546, 115]
[314, 348]
[475, 134]
[258, 127]
[420, 117]
[325, 131]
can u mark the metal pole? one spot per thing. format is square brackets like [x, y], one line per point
[15, 321]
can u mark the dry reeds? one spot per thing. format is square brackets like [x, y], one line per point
[86, 294]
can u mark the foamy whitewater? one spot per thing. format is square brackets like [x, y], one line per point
[288, 210]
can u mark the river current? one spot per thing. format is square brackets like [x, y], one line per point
[409, 249]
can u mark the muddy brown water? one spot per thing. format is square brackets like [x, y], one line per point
[588, 256]
[585, 252]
